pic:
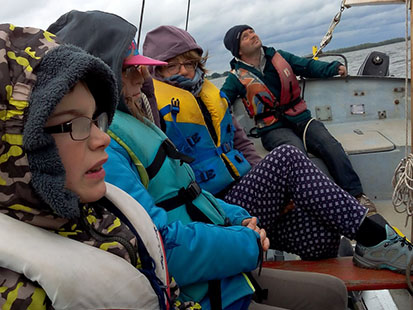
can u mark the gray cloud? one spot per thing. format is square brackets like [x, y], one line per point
[293, 25]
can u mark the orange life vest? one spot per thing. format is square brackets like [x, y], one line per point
[260, 102]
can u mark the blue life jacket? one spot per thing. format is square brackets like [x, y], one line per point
[156, 160]
[216, 165]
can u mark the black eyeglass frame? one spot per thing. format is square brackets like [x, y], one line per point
[101, 122]
[189, 65]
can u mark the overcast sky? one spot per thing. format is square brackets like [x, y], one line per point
[292, 25]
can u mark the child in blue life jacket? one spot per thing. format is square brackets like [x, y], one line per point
[68, 239]
[209, 251]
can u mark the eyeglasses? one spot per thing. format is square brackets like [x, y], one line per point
[79, 128]
[174, 67]
[131, 69]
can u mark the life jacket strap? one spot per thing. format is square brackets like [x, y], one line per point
[205, 176]
[184, 195]
[278, 110]
[194, 139]
[214, 293]
[166, 149]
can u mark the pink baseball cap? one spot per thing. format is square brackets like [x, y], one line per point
[133, 58]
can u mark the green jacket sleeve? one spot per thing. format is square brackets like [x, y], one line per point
[233, 88]
[309, 67]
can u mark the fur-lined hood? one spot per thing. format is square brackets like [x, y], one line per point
[35, 73]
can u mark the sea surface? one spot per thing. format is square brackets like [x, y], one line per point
[396, 52]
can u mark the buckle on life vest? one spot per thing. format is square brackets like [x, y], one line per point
[192, 191]
[174, 106]
[238, 158]
[194, 139]
[230, 128]
[207, 175]
[225, 147]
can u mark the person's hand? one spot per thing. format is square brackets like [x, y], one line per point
[342, 71]
[145, 73]
[251, 223]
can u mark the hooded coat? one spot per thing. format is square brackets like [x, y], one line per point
[196, 252]
[166, 42]
[222, 151]
[56, 252]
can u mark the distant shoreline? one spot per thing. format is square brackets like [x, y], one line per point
[216, 75]
[365, 45]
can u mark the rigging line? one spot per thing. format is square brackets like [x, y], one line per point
[187, 15]
[406, 78]
[140, 24]
[329, 35]
[402, 182]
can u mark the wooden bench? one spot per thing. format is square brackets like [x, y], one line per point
[355, 278]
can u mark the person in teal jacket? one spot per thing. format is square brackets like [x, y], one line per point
[274, 101]
[219, 248]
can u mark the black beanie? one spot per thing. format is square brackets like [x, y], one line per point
[232, 38]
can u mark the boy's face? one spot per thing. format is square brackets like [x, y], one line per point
[83, 160]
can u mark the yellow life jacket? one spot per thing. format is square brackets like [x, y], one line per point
[217, 164]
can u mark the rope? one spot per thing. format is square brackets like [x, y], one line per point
[147, 107]
[403, 176]
[403, 187]
[406, 79]
[305, 133]
[402, 180]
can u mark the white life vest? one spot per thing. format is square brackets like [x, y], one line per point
[77, 276]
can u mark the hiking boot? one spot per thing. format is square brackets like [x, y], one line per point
[366, 202]
[394, 253]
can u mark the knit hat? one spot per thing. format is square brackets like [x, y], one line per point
[166, 42]
[58, 72]
[232, 38]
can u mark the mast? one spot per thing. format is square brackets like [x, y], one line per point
[140, 24]
[187, 15]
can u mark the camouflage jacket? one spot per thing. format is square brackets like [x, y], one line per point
[21, 51]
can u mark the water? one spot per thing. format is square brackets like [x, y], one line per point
[396, 52]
